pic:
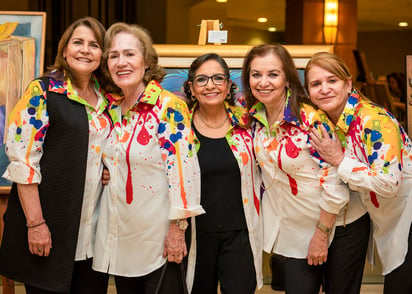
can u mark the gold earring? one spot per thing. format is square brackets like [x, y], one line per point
[193, 98]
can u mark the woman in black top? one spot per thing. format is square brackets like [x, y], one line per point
[229, 235]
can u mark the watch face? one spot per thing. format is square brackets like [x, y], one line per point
[182, 224]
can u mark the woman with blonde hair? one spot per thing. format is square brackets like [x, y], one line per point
[372, 154]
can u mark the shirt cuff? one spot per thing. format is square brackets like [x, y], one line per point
[345, 168]
[181, 213]
[22, 174]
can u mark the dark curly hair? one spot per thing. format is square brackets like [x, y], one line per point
[196, 64]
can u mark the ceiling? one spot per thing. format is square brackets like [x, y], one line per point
[381, 15]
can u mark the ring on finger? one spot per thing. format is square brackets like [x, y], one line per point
[39, 250]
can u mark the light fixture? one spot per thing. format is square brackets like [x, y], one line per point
[262, 19]
[403, 24]
[272, 29]
[330, 21]
[221, 1]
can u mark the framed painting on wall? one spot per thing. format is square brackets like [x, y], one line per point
[30, 24]
[176, 59]
[22, 39]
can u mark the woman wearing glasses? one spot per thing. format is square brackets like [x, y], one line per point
[229, 235]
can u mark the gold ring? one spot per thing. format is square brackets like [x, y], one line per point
[39, 249]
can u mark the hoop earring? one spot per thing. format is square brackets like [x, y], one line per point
[228, 96]
[193, 98]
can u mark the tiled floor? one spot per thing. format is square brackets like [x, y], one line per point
[366, 289]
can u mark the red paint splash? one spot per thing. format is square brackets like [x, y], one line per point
[293, 185]
[292, 151]
[374, 199]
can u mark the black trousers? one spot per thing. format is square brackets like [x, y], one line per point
[343, 271]
[171, 283]
[399, 281]
[225, 257]
[84, 281]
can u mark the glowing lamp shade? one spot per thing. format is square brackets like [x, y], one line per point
[330, 21]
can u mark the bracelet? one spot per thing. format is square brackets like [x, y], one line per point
[36, 225]
[327, 230]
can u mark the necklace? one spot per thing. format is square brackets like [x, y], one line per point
[209, 126]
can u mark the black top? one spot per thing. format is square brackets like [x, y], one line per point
[63, 168]
[221, 187]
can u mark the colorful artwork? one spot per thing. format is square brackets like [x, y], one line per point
[175, 78]
[21, 60]
[30, 24]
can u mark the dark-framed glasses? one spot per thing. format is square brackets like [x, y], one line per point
[202, 80]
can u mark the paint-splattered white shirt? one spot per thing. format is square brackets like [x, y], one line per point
[297, 183]
[28, 126]
[154, 177]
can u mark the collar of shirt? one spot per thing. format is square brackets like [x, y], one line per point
[258, 112]
[349, 111]
[66, 88]
[238, 116]
[149, 96]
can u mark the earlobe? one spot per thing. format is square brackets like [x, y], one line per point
[350, 86]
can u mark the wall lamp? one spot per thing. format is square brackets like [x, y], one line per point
[330, 21]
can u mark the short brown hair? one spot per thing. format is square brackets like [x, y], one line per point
[154, 70]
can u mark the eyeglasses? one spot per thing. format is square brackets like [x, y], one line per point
[202, 80]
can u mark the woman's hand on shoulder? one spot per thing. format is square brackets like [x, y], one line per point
[330, 149]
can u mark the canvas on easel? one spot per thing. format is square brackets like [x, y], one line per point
[205, 27]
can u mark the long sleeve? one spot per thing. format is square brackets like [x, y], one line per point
[182, 168]
[28, 124]
[373, 158]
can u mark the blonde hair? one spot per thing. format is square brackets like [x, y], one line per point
[330, 62]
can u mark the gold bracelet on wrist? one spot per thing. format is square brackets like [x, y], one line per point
[327, 230]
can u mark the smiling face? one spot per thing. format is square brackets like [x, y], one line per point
[267, 79]
[126, 62]
[211, 94]
[82, 52]
[327, 91]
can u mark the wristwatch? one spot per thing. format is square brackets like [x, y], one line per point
[182, 224]
[327, 230]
